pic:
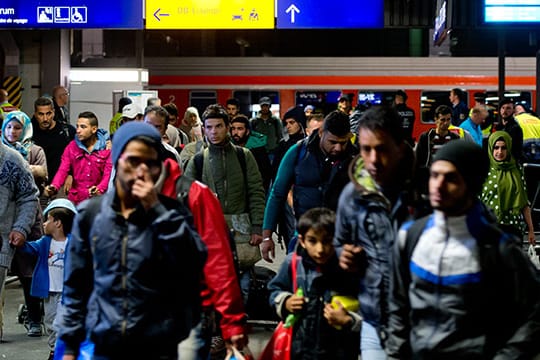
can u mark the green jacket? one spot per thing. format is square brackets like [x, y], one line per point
[256, 140]
[223, 174]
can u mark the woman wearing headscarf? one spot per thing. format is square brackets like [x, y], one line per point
[505, 191]
[17, 134]
[192, 124]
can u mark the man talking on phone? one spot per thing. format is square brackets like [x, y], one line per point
[134, 261]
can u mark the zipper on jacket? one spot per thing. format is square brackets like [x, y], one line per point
[124, 282]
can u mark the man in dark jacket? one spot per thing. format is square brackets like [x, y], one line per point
[461, 287]
[371, 207]
[510, 125]
[134, 262]
[315, 169]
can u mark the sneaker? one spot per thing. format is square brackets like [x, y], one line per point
[217, 345]
[34, 330]
[51, 355]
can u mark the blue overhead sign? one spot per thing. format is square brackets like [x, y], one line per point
[324, 14]
[71, 14]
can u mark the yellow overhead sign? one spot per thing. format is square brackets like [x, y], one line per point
[210, 14]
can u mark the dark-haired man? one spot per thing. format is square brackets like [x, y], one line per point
[269, 125]
[51, 135]
[454, 271]
[60, 100]
[232, 107]
[243, 136]
[315, 169]
[406, 114]
[158, 117]
[231, 172]
[460, 111]
[87, 159]
[371, 207]
[509, 124]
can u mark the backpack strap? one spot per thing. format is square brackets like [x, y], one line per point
[294, 267]
[198, 159]
[413, 235]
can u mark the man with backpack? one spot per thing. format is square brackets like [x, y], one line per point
[316, 169]
[461, 287]
[134, 264]
[231, 172]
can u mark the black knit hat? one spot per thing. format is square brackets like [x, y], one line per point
[296, 113]
[469, 159]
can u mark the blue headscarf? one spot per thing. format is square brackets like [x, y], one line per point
[25, 142]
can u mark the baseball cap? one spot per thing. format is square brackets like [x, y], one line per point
[60, 203]
[265, 100]
[131, 111]
[344, 97]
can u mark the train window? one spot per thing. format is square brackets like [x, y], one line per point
[430, 100]
[249, 101]
[201, 99]
[518, 97]
[366, 98]
[323, 101]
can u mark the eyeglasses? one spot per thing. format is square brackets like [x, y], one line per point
[134, 162]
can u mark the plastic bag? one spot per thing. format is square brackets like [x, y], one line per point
[534, 257]
[279, 345]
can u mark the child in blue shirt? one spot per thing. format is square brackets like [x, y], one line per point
[323, 330]
[48, 277]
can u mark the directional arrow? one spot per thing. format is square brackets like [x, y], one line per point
[157, 14]
[293, 10]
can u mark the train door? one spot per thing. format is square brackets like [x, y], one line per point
[200, 99]
[249, 101]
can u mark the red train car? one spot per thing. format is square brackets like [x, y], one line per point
[319, 81]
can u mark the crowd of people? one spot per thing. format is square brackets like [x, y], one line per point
[149, 233]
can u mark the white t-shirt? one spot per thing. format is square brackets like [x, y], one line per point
[56, 265]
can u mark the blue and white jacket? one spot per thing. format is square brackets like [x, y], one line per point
[40, 277]
[466, 290]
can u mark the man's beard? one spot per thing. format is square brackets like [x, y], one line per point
[239, 140]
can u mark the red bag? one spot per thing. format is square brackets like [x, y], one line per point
[279, 345]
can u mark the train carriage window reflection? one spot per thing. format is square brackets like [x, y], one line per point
[201, 99]
[322, 101]
[249, 101]
[430, 100]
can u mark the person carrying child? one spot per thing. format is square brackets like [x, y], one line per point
[324, 328]
[48, 277]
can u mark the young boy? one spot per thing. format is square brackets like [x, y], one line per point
[322, 331]
[48, 278]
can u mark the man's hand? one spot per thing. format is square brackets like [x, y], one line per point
[268, 247]
[143, 188]
[50, 190]
[256, 239]
[350, 257]
[68, 184]
[93, 191]
[16, 238]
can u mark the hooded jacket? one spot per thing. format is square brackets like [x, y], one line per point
[370, 217]
[88, 168]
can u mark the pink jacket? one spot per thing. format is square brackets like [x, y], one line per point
[88, 169]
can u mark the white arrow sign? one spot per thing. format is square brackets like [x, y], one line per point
[293, 10]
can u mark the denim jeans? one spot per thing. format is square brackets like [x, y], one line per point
[197, 344]
[370, 343]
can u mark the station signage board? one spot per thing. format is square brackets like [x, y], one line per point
[324, 14]
[511, 11]
[210, 14]
[71, 14]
